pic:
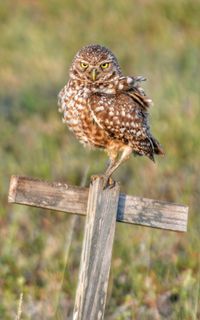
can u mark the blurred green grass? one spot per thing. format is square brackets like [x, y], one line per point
[158, 39]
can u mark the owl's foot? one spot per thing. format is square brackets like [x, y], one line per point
[108, 182]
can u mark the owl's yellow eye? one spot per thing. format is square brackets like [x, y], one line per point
[105, 65]
[84, 65]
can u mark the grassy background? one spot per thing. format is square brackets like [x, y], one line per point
[158, 39]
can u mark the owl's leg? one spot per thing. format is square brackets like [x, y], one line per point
[108, 182]
[115, 164]
[112, 161]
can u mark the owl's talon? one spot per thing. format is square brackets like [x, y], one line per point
[108, 182]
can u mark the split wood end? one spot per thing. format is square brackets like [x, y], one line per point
[13, 189]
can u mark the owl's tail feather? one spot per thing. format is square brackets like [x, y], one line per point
[157, 148]
[150, 148]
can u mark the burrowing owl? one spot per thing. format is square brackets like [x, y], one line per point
[106, 109]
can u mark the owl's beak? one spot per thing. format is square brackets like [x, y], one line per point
[94, 74]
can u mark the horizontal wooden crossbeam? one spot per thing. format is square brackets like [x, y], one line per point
[63, 197]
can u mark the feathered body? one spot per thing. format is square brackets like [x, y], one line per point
[105, 109]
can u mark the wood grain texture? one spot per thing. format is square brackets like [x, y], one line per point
[96, 252]
[66, 198]
[49, 195]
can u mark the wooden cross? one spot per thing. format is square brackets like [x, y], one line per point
[102, 207]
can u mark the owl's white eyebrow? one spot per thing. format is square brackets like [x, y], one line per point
[84, 61]
[106, 61]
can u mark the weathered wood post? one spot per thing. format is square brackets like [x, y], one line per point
[96, 252]
[102, 208]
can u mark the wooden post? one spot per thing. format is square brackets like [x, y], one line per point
[102, 208]
[96, 252]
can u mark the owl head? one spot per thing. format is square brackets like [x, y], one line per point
[94, 64]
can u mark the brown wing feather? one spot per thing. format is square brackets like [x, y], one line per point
[124, 117]
[138, 98]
